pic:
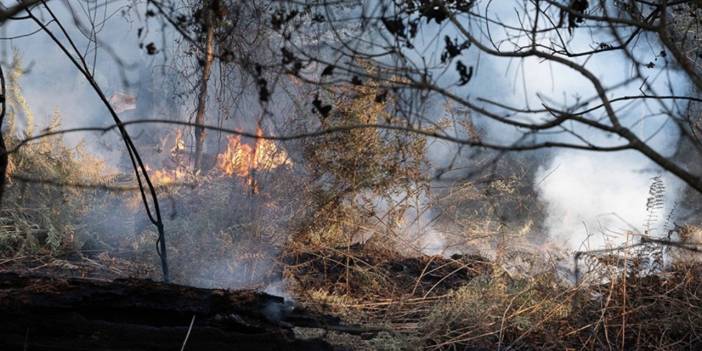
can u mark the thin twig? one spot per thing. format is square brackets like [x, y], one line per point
[190, 328]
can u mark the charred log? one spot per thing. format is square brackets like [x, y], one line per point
[41, 313]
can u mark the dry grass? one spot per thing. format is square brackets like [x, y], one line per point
[491, 310]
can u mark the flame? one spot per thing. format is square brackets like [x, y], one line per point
[179, 143]
[237, 160]
[176, 169]
[240, 159]
[166, 176]
[162, 177]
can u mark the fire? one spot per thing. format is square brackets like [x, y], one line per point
[179, 143]
[237, 160]
[162, 179]
[167, 177]
[240, 159]
[175, 166]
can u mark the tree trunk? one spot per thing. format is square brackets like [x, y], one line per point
[200, 132]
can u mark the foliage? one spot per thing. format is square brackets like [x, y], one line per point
[40, 216]
[354, 170]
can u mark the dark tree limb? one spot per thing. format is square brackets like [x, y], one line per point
[137, 163]
[4, 157]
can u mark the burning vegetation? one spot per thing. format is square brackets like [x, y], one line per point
[319, 238]
[241, 159]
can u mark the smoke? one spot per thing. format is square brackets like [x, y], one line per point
[592, 199]
[223, 236]
[594, 202]
[112, 51]
[414, 232]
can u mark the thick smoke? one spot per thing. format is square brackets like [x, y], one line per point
[594, 202]
[587, 195]
[592, 199]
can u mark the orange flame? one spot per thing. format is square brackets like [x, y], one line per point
[161, 177]
[179, 143]
[240, 159]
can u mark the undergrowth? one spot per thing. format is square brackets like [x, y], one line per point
[37, 217]
[345, 257]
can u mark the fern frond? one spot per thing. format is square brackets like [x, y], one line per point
[654, 203]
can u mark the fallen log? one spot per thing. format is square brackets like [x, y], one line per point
[43, 313]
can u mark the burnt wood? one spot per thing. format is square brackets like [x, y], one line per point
[43, 313]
